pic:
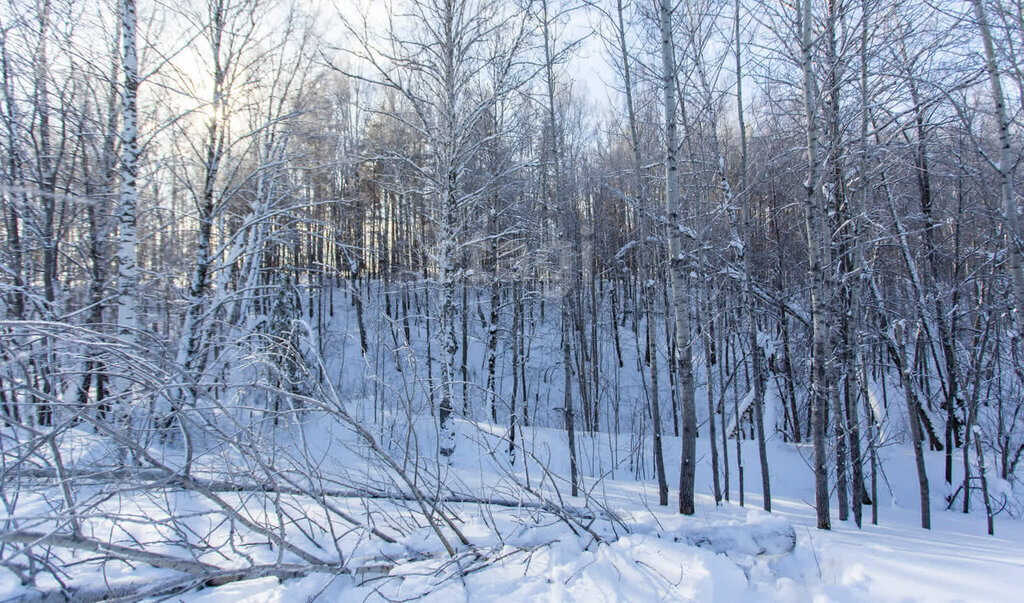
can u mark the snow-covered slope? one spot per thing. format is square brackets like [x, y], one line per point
[513, 530]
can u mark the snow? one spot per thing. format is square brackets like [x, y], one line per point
[724, 553]
[728, 553]
[612, 543]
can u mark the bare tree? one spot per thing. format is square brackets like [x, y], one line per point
[127, 254]
[818, 262]
[679, 266]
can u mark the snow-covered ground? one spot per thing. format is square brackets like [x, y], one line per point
[666, 556]
[528, 539]
[723, 553]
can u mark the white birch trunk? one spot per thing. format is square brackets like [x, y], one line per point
[448, 206]
[568, 277]
[756, 353]
[680, 293]
[127, 261]
[1005, 167]
[816, 250]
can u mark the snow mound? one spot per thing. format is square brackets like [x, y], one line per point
[774, 537]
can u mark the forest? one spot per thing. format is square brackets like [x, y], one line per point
[388, 300]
